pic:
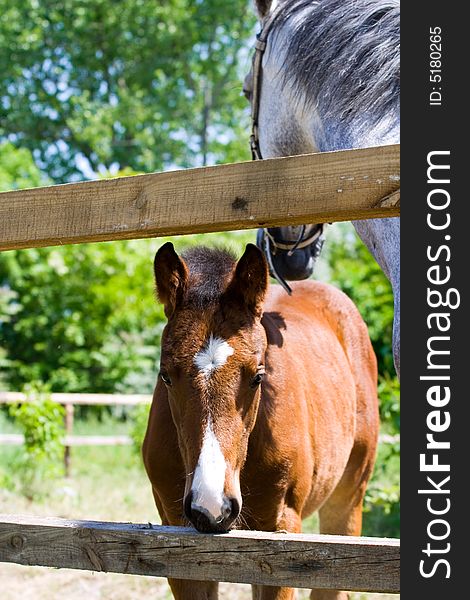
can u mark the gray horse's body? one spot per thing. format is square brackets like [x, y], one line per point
[330, 81]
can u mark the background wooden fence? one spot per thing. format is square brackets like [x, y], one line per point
[69, 401]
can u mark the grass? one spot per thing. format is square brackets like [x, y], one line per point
[109, 484]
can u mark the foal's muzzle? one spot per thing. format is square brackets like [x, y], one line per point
[204, 522]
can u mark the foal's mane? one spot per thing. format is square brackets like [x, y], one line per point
[343, 55]
[209, 269]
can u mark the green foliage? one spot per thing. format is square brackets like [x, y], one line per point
[84, 318]
[42, 423]
[140, 417]
[389, 395]
[382, 501]
[6, 310]
[17, 168]
[133, 83]
[77, 326]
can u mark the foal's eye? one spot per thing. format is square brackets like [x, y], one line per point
[164, 377]
[257, 379]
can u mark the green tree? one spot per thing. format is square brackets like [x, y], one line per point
[84, 317]
[6, 297]
[127, 83]
[17, 168]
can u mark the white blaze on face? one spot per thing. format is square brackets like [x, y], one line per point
[209, 477]
[214, 355]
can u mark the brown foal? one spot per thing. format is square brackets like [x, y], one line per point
[265, 408]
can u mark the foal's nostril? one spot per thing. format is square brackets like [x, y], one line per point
[204, 522]
[234, 509]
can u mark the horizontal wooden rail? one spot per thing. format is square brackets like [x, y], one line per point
[294, 560]
[69, 401]
[16, 439]
[83, 399]
[312, 188]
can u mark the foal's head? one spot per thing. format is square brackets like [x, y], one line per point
[212, 365]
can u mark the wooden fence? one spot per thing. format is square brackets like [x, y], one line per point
[313, 188]
[69, 401]
[294, 560]
[316, 188]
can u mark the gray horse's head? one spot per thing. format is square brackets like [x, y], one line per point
[330, 75]
[330, 81]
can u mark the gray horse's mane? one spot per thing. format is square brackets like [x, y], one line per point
[343, 55]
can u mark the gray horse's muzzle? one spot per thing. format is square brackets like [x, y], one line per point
[285, 260]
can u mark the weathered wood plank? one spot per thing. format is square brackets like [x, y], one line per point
[295, 560]
[85, 399]
[314, 188]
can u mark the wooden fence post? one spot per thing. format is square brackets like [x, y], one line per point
[69, 410]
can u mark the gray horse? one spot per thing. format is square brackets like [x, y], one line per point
[329, 80]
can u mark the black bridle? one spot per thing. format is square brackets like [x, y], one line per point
[270, 242]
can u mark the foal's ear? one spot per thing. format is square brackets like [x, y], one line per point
[250, 280]
[171, 277]
[263, 7]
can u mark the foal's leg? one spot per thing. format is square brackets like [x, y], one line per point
[342, 512]
[290, 521]
[185, 589]
[194, 590]
[262, 592]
